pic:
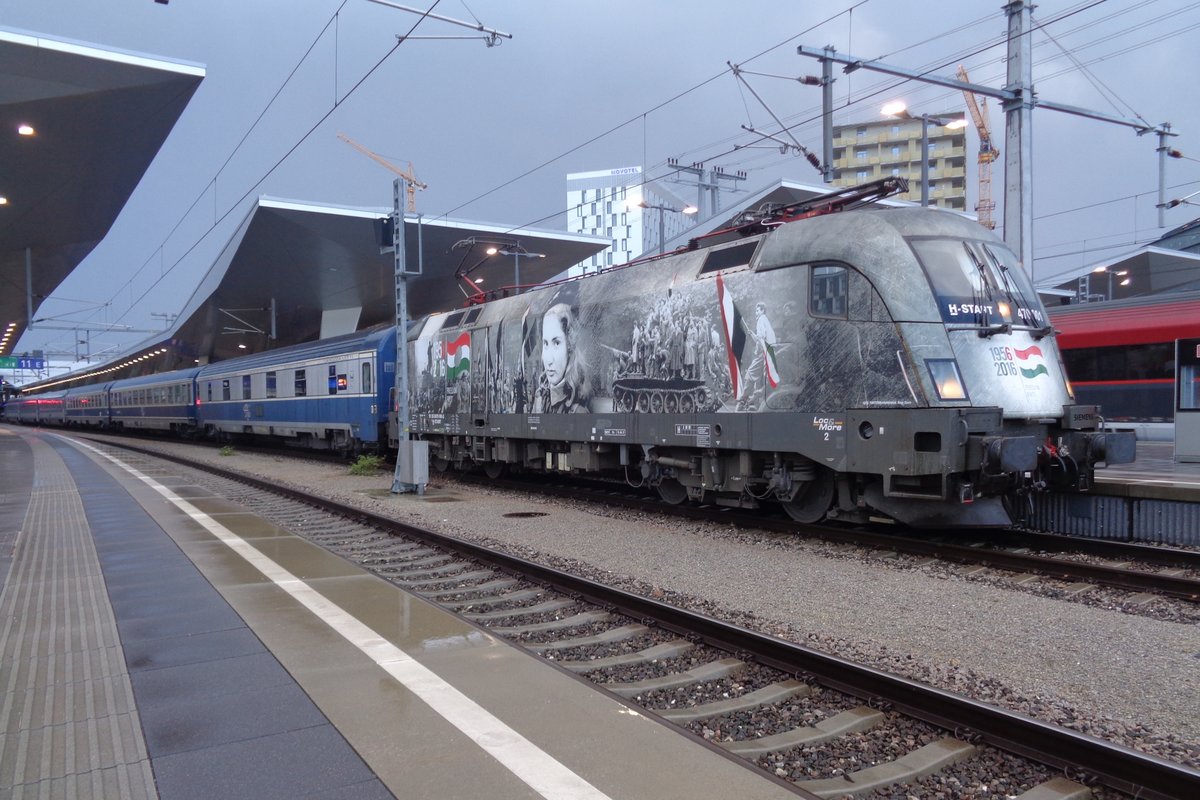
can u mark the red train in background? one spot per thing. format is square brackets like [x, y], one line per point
[1120, 355]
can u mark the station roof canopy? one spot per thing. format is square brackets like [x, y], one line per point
[1148, 270]
[296, 272]
[79, 125]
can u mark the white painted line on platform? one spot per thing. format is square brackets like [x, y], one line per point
[546, 775]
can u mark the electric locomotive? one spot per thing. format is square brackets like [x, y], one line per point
[877, 362]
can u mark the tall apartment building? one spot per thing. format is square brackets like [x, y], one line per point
[604, 203]
[868, 151]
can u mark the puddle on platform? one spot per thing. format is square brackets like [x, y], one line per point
[426, 498]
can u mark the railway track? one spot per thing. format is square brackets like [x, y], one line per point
[1146, 571]
[829, 726]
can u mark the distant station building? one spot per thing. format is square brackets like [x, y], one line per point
[617, 205]
[868, 151]
[1168, 265]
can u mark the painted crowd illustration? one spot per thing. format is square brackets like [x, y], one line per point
[623, 343]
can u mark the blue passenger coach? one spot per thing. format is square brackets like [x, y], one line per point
[332, 394]
[162, 402]
[87, 406]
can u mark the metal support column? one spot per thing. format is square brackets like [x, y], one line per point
[28, 288]
[827, 116]
[1018, 157]
[924, 160]
[412, 470]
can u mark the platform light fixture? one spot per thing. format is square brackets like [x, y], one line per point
[899, 110]
[517, 252]
[640, 202]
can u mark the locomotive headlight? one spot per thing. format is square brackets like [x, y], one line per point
[946, 378]
[1005, 311]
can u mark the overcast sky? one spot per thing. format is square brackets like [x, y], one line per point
[494, 131]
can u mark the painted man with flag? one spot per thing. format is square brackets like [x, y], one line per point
[763, 370]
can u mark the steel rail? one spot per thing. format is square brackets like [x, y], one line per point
[1122, 768]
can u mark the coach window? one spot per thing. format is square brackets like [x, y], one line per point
[829, 289]
[301, 383]
[366, 377]
[270, 384]
[225, 389]
[245, 387]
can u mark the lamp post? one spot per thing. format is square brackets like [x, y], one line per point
[898, 109]
[516, 251]
[662, 210]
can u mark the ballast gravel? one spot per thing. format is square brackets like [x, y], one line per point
[1125, 678]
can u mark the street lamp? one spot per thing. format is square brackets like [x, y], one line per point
[1121, 273]
[898, 109]
[516, 251]
[662, 210]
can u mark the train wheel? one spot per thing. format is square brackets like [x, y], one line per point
[656, 403]
[440, 464]
[672, 491]
[493, 469]
[813, 502]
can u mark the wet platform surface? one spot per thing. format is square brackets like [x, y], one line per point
[157, 641]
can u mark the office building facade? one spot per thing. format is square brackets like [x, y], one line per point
[605, 203]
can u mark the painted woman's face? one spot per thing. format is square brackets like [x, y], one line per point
[554, 349]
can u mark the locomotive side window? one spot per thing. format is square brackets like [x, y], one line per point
[829, 291]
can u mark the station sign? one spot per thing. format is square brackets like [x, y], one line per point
[22, 362]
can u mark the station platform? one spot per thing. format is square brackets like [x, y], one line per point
[1155, 474]
[157, 641]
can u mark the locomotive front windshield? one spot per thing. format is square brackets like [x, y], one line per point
[979, 285]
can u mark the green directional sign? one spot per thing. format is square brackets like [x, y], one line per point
[22, 362]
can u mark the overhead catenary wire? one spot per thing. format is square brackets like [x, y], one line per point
[270, 170]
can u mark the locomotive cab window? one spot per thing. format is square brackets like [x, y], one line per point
[979, 283]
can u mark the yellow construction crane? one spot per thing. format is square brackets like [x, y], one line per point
[411, 182]
[987, 154]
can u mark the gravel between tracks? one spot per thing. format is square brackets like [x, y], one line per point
[1123, 678]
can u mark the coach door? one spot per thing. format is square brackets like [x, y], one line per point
[1187, 400]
